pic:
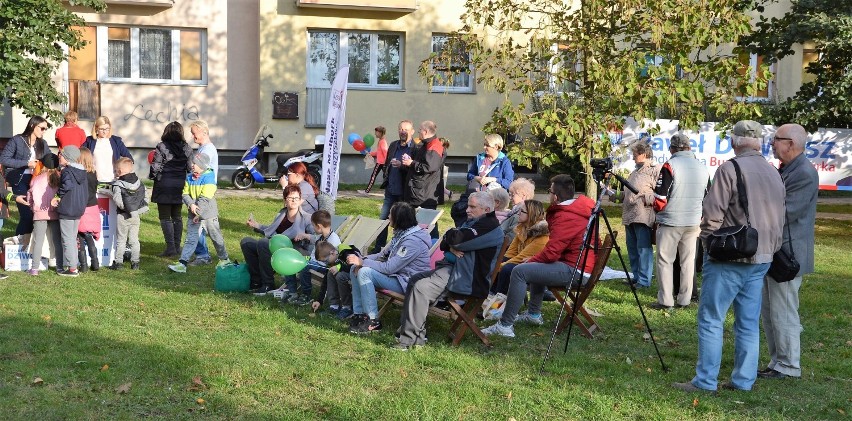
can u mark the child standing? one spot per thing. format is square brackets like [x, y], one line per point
[43, 188]
[70, 205]
[90, 223]
[321, 223]
[129, 195]
[198, 194]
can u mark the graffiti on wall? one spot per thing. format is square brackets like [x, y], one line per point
[171, 113]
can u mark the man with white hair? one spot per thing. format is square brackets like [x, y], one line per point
[737, 283]
[470, 253]
[780, 307]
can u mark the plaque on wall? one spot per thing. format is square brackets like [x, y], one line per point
[285, 105]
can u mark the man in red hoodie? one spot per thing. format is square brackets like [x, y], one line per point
[567, 219]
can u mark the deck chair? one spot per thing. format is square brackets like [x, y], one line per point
[462, 316]
[565, 296]
[338, 222]
[363, 231]
[427, 218]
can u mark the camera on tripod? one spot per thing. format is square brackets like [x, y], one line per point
[600, 166]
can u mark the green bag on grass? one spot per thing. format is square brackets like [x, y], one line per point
[233, 277]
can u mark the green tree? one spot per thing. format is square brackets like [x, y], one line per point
[33, 37]
[572, 70]
[826, 101]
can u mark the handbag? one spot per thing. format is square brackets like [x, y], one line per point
[736, 241]
[784, 265]
[233, 277]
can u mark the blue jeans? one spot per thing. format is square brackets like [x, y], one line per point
[727, 283]
[364, 290]
[537, 276]
[201, 251]
[640, 252]
[382, 239]
[304, 279]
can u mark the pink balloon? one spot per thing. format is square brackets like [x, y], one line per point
[359, 145]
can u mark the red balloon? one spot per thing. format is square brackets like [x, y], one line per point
[151, 157]
[359, 145]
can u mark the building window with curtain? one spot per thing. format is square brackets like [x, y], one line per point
[152, 55]
[450, 62]
[374, 58]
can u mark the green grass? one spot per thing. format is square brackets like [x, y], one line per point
[157, 331]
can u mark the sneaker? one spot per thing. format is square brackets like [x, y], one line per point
[134, 265]
[548, 296]
[262, 290]
[300, 300]
[280, 292]
[176, 267]
[344, 313]
[69, 272]
[200, 261]
[118, 266]
[498, 329]
[367, 326]
[356, 320]
[527, 318]
[223, 263]
[688, 387]
[4, 276]
[32, 272]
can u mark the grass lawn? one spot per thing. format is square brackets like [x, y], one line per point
[149, 343]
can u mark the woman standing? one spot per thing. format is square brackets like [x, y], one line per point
[168, 170]
[18, 158]
[106, 148]
[638, 216]
[492, 168]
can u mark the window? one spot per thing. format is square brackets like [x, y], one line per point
[152, 55]
[558, 69]
[374, 59]
[809, 55]
[750, 65]
[451, 65]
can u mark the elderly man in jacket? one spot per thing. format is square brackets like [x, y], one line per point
[780, 310]
[470, 253]
[737, 282]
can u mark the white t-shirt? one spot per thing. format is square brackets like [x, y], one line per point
[210, 150]
[103, 160]
[32, 157]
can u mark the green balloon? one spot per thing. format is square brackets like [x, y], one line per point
[279, 241]
[369, 140]
[288, 261]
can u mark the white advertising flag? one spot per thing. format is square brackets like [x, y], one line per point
[334, 133]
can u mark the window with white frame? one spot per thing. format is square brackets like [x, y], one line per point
[374, 58]
[557, 69]
[451, 65]
[152, 55]
[750, 65]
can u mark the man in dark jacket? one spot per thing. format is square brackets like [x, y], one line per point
[425, 168]
[554, 265]
[470, 253]
[396, 176]
[780, 304]
[71, 204]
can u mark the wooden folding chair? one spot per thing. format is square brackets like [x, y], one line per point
[427, 218]
[566, 296]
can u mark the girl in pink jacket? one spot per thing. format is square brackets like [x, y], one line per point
[43, 188]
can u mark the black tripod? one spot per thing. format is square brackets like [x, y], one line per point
[591, 241]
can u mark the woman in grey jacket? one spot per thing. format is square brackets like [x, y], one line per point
[290, 221]
[407, 254]
[18, 158]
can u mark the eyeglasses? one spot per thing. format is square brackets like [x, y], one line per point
[776, 138]
[487, 145]
[293, 198]
[103, 129]
[43, 128]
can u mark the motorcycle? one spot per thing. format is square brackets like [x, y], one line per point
[254, 161]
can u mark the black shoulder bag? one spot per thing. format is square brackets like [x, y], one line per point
[784, 265]
[737, 241]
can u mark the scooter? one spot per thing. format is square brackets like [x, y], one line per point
[254, 160]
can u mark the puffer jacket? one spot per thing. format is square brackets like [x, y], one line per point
[527, 243]
[567, 224]
[403, 258]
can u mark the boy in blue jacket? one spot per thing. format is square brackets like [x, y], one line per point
[70, 203]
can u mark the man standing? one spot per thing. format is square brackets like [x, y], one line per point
[201, 136]
[737, 282]
[70, 133]
[677, 201]
[397, 175]
[567, 219]
[470, 253]
[780, 309]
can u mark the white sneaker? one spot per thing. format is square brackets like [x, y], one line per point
[525, 317]
[279, 293]
[498, 329]
[223, 263]
[178, 267]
